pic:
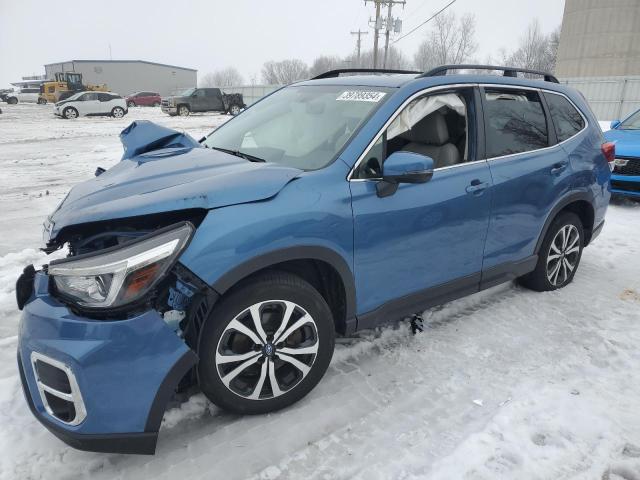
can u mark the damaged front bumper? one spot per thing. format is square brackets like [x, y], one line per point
[98, 385]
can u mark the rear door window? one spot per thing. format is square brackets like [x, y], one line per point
[566, 118]
[514, 122]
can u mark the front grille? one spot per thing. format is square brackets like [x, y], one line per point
[59, 390]
[631, 168]
[628, 186]
[165, 103]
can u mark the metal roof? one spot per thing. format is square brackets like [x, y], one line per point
[122, 61]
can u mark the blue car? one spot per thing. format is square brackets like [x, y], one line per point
[330, 206]
[625, 134]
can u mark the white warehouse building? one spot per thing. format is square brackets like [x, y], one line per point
[129, 76]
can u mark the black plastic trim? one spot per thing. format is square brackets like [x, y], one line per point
[167, 389]
[596, 231]
[505, 272]
[572, 197]
[416, 302]
[260, 262]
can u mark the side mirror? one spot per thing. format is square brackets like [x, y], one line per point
[614, 124]
[404, 167]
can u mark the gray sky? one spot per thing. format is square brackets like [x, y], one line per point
[207, 35]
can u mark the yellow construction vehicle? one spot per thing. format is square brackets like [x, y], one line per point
[65, 85]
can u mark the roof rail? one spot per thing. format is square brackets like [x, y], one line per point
[507, 71]
[336, 73]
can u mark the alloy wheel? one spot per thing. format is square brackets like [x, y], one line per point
[267, 349]
[563, 255]
[118, 112]
[235, 110]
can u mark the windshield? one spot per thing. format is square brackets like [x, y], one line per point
[187, 92]
[300, 126]
[631, 123]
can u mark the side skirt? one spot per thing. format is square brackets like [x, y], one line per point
[447, 292]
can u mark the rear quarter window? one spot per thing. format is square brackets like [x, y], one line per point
[566, 118]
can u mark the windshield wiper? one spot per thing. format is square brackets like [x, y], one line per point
[240, 154]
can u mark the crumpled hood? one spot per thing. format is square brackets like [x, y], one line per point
[169, 179]
[627, 142]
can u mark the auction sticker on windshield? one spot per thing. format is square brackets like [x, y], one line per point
[361, 96]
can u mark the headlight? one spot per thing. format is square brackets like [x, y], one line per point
[120, 275]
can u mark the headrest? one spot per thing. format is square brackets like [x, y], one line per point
[431, 130]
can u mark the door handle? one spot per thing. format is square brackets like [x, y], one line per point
[559, 168]
[477, 187]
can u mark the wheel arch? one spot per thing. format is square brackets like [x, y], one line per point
[580, 203]
[325, 269]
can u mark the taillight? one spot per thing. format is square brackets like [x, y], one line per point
[609, 151]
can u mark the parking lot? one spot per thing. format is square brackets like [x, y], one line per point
[507, 383]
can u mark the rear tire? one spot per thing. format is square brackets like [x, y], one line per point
[70, 113]
[42, 101]
[559, 255]
[269, 374]
[131, 104]
[184, 111]
[117, 112]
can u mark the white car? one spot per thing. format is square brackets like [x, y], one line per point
[92, 104]
[25, 95]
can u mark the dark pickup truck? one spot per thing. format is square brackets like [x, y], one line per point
[203, 100]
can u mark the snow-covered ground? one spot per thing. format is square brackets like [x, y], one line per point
[505, 384]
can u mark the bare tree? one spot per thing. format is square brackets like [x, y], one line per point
[395, 59]
[324, 63]
[284, 72]
[451, 40]
[536, 50]
[225, 77]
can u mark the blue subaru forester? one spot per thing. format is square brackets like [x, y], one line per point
[330, 206]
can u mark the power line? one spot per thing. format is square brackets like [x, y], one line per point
[427, 20]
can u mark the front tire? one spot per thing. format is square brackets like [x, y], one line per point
[559, 255]
[42, 101]
[117, 112]
[12, 100]
[183, 111]
[265, 345]
[70, 113]
[234, 110]
[131, 104]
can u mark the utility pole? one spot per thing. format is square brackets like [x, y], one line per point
[388, 26]
[359, 33]
[377, 24]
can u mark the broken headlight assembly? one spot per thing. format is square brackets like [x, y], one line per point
[120, 275]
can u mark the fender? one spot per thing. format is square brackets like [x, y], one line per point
[562, 203]
[226, 281]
